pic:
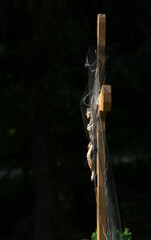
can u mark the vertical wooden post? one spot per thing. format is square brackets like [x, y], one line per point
[101, 208]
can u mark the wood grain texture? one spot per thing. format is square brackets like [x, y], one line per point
[101, 207]
[105, 98]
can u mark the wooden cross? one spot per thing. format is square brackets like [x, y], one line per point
[104, 106]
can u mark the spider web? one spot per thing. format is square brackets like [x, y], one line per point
[89, 108]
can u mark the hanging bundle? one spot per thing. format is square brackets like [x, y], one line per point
[90, 155]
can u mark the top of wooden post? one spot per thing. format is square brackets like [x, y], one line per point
[105, 94]
[101, 43]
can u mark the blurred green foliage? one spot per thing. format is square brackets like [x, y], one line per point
[126, 235]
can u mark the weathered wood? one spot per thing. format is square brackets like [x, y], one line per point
[105, 98]
[101, 207]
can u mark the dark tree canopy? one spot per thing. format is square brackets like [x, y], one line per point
[43, 45]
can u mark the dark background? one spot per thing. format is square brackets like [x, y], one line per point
[45, 188]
